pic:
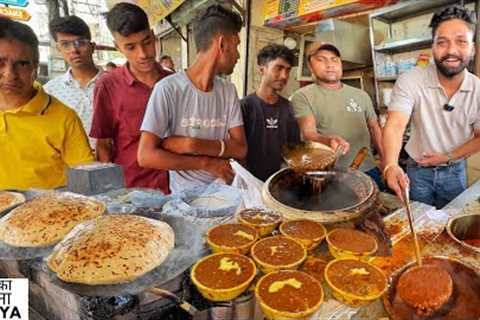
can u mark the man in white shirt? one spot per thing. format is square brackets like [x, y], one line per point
[75, 87]
[443, 103]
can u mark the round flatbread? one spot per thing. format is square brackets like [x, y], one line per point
[47, 219]
[9, 199]
[112, 249]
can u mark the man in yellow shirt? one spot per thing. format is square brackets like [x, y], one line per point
[39, 136]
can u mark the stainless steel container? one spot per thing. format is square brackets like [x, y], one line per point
[465, 227]
[241, 308]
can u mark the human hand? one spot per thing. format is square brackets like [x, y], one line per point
[220, 168]
[336, 141]
[396, 180]
[432, 159]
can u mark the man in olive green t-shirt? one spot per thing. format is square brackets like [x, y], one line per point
[329, 107]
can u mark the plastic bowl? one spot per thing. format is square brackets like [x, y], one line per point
[222, 294]
[309, 244]
[340, 253]
[243, 249]
[349, 298]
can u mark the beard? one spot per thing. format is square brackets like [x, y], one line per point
[450, 72]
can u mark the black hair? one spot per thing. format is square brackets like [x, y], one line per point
[453, 12]
[274, 51]
[111, 64]
[212, 21]
[126, 19]
[10, 29]
[165, 57]
[71, 25]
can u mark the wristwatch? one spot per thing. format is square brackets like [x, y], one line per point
[450, 159]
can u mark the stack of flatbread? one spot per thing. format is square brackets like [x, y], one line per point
[112, 249]
[47, 219]
[10, 199]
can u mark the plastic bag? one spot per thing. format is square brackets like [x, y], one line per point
[140, 201]
[250, 186]
[205, 205]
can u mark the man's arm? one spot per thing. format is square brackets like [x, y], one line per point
[151, 154]
[467, 149]
[104, 150]
[393, 132]
[376, 134]
[234, 147]
[308, 128]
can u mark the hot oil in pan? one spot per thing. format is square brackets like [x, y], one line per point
[308, 194]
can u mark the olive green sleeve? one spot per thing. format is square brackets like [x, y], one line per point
[301, 105]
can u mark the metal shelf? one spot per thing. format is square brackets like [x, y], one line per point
[408, 9]
[386, 78]
[404, 45]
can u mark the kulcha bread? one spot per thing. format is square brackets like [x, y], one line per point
[9, 199]
[112, 249]
[47, 219]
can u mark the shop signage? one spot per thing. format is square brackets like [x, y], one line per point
[158, 9]
[15, 14]
[15, 3]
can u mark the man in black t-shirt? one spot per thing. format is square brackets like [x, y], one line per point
[268, 117]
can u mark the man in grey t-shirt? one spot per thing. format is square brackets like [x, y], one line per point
[193, 122]
[443, 103]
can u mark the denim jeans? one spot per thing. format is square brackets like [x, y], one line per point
[436, 186]
[376, 175]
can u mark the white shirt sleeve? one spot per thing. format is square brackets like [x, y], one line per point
[158, 112]
[402, 98]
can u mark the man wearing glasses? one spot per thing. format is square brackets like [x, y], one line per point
[75, 87]
[39, 135]
[329, 111]
[443, 103]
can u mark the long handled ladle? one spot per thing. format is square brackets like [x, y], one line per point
[406, 199]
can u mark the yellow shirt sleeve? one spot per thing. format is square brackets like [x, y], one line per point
[76, 149]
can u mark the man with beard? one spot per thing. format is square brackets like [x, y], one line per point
[121, 96]
[75, 87]
[268, 117]
[193, 123]
[443, 103]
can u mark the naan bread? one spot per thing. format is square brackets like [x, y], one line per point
[112, 249]
[47, 219]
[9, 199]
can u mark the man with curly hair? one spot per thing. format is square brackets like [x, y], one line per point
[442, 102]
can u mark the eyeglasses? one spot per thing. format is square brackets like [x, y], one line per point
[77, 43]
[448, 107]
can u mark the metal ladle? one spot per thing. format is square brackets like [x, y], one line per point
[406, 199]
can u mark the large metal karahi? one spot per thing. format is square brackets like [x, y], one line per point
[348, 195]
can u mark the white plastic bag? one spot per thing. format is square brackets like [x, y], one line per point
[250, 186]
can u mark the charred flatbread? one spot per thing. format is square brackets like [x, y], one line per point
[112, 249]
[46, 219]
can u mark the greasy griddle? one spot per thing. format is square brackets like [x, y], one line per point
[351, 195]
[344, 191]
[463, 305]
[188, 249]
